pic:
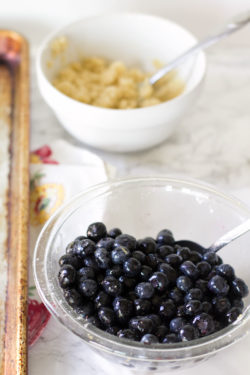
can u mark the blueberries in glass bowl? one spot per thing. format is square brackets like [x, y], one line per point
[150, 290]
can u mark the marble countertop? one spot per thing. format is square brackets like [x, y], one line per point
[212, 143]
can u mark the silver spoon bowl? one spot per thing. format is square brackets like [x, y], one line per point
[234, 25]
[221, 242]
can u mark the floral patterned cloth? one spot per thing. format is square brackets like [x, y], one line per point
[57, 172]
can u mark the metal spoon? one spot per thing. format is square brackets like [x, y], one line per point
[236, 24]
[221, 242]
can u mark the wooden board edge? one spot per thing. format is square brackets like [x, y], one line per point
[15, 346]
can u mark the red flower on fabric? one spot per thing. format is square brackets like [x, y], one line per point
[38, 317]
[43, 155]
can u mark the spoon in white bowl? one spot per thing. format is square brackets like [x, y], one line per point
[234, 25]
[221, 242]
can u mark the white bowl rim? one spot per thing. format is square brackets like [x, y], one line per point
[104, 110]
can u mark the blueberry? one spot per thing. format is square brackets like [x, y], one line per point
[159, 281]
[112, 286]
[218, 285]
[204, 268]
[69, 247]
[142, 306]
[218, 325]
[123, 308]
[167, 309]
[165, 250]
[149, 339]
[168, 271]
[171, 338]
[144, 290]
[221, 305]
[145, 273]
[80, 238]
[194, 293]
[132, 295]
[90, 262]
[115, 271]
[176, 324]
[106, 316]
[73, 298]
[125, 240]
[156, 300]
[85, 273]
[173, 260]
[181, 311]
[84, 248]
[211, 258]
[71, 259]
[96, 231]
[120, 254]
[127, 282]
[206, 307]
[193, 307]
[114, 232]
[152, 260]
[147, 245]
[66, 276]
[226, 271]
[143, 325]
[239, 288]
[155, 319]
[99, 277]
[113, 330]
[195, 257]
[102, 300]
[132, 267]
[184, 283]
[189, 269]
[188, 333]
[102, 258]
[233, 314]
[202, 285]
[139, 255]
[211, 274]
[204, 323]
[183, 252]
[88, 287]
[165, 237]
[126, 334]
[238, 303]
[160, 332]
[106, 242]
[176, 295]
[86, 310]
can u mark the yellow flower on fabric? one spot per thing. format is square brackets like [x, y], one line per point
[44, 200]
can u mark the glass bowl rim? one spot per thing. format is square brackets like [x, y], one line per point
[115, 345]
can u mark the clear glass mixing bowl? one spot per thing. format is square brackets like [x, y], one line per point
[142, 207]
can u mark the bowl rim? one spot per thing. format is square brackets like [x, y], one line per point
[158, 352]
[102, 110]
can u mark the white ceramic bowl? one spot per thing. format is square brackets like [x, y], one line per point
[137, 40]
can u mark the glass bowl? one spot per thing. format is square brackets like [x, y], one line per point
[142, 207]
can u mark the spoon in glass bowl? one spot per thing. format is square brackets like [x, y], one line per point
[221, 242]
[234, 25]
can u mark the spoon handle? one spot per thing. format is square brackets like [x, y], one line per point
[230, 236]
[230, 28]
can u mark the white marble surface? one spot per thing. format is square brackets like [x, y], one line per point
[212, 143]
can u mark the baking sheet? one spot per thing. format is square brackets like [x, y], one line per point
[14, 198]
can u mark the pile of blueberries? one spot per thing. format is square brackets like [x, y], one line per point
[149, 290]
